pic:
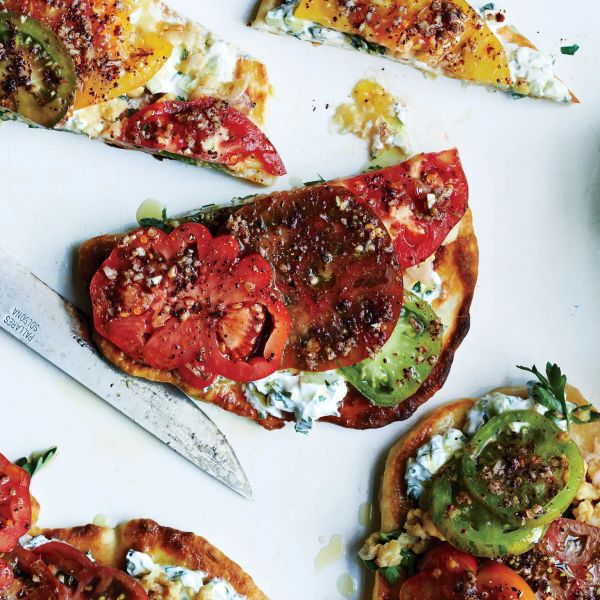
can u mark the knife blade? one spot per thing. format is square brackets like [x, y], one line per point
[56, 329]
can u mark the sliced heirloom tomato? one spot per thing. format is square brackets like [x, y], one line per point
[450, 35]
[419, 200]
[445, 572]
[59, 571]
[35, 580]
[112, 57]
[523, 468]
[188, 302]
[335, 267]
[112, 584]
[37, 74]
[15, 504]
[207, 129]
[497, 582]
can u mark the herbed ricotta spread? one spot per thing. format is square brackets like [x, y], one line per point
[183, 584]
[433, 455]
[309, 396]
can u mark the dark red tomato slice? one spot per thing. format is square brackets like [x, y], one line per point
[112, 584]
[35, 579]
[188, 302]
[15, 504]
[335, 267]
[497, 582]
[419, 201]
[449, 559]
[208, 129]
[6, 575]
[64, 559]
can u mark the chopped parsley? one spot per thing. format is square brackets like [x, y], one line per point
[34, 462]
[569, 50]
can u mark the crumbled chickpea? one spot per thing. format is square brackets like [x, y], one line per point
[369, 549]
[588, 494]
[419, 524]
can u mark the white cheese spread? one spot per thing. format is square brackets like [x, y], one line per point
[183, 584]
[309, 396]
[537, 69]
[431, 457]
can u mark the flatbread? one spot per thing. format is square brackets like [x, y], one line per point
[394, 501]
[457, 266]
[432, 43]
[244, 83]
[164, 545]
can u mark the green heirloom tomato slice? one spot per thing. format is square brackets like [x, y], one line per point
[523, 468]
[469, 526]
[405, 361]
[37, 74]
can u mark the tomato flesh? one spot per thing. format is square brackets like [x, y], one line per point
[419, 200]
[35, 580]
[449, 559]
[188, 302]
[498, 582]
[207, 129]
[6, 575]
[15, 504]
[335, 267]
[112, 584]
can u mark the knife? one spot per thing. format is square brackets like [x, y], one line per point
[57, 330]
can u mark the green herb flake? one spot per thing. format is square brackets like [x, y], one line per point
[488, 6]
[390, 574]
[569, 50]
[33, 463]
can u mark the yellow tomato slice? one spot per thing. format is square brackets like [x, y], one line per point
[453, 37]
[143, 60]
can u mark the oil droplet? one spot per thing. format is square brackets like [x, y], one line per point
[365, 514]
[150, 209]
[101, 521]
[331, 553]
[346, 585]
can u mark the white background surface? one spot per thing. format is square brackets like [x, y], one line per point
[535, 193]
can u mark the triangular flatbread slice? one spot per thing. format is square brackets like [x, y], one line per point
[448, 37]
[135, 74]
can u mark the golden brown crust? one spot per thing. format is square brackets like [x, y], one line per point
[394, 502]
[457, 265]
[165, 545]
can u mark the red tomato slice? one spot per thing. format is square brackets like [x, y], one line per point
[15, 504]
[188, 302]
[64, 558]
[36, 581]
[6, 575]
[449, 559]
[208, 129]
[430, 585]
[497, 582]
[419, 201]
[335, 267]
[112, 584]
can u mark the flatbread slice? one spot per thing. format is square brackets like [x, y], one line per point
[135, 74]
[455, 263]
[446, 37]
